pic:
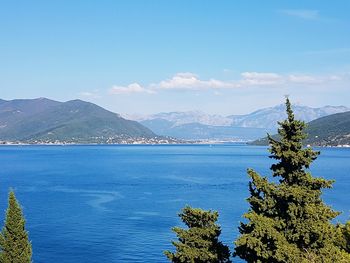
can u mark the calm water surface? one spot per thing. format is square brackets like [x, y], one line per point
[118, 203]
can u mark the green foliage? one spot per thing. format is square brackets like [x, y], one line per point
[199, 243]
[287, 220]
[346, 234]
[14, 244]
[344, 239]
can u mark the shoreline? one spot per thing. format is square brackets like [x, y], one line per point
[159, 144]
[119, 144]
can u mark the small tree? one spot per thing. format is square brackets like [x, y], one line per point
[14, 244]
[199, 243]
[288, 220]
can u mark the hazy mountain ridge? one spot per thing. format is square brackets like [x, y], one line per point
[198, 131]
[186, 117]
[268, 117]
[198, 125]
[76, 121]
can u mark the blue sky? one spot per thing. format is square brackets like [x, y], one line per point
[224, 57]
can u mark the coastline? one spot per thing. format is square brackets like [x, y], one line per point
[116, 144]
[160, 144]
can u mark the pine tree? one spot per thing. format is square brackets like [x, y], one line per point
[199, 243]
[346, 233]
[344, 236]
[14, 244]
[287, 220]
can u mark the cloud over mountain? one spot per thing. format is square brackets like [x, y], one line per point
[191, 81]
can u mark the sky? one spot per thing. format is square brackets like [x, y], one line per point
[144, 57]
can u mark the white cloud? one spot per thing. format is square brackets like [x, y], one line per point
[274, 79]
[313, 80]
[335, 77]
[131, 88]
[304, 79]
[192, 81]
[302, 13]
[260, 79]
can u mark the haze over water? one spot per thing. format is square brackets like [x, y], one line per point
[119, 203]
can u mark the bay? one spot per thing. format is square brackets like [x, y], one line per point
[119, 203]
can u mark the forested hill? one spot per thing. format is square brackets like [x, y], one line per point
[331, 130]
[45, 121]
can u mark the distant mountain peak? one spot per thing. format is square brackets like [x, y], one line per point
[262, 118]
[200, 125]
[186, 117]
[268, 117]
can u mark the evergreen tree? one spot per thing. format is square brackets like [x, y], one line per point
[344, 239]
[14, 244]
[346, 233]
[287, 220]
[199, 243]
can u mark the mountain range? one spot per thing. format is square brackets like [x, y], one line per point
[46, 121]
[197, 125]
[268, 117]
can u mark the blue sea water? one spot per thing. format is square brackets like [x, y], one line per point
[119, 203]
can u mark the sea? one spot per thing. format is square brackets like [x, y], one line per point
[118, 203]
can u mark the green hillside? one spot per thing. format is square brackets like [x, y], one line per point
[73, 121]
[332, 130]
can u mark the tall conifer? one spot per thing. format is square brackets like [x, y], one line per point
[199, 243]
[15, 246]
[288, 220]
